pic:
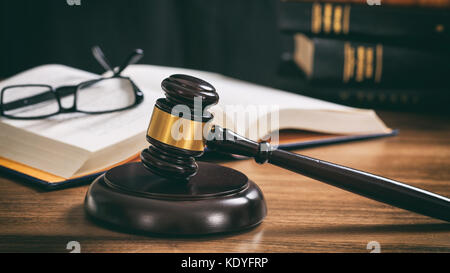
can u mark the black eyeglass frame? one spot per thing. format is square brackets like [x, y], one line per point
[66, 90]
[59, 93]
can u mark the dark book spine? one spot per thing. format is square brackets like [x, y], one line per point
[414, 99]
[358, 63]
[335, 19]
[394, 99]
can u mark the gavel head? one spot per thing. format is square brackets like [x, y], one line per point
[177, 127]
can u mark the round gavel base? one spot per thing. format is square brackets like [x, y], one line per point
[216, 200]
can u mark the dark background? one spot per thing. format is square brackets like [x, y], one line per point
[238, 38]
[234, 37]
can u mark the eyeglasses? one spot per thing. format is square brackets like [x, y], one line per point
[97, 96]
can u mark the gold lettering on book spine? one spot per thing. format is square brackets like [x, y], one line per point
[346, 20]
[360, 64]
[327, 13]
[379, 65]
[369, 63]
[349, 62]
[345, 77]
[316, 18]
[337, 19]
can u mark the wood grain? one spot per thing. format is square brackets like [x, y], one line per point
[304, 215]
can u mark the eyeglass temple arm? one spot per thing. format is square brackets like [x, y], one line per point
[101, 58]
[133, 58]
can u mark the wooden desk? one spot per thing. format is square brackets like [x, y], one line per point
[304, 215]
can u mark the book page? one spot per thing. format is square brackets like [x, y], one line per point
[88, 132]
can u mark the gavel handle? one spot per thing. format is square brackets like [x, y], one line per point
[369, 185]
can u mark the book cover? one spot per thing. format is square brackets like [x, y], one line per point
[346, 20]
[407, 98]
[351, 62]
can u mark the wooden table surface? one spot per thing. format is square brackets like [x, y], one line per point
[304, 215]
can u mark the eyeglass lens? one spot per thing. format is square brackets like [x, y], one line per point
[19, 101]
[106, 95]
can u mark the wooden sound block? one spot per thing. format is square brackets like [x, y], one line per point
[216, 200]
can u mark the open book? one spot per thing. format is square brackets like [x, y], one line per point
[73, 145]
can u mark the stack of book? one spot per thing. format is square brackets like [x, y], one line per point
[387, 53]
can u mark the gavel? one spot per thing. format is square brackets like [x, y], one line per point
[170, 193]
[176, 159]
